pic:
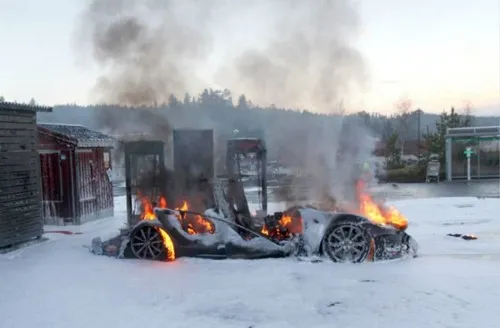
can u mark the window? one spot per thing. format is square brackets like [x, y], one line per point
[106, 160]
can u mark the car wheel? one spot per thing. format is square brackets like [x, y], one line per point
[146, 243]
[346, 242]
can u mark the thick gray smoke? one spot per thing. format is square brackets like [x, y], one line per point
[309, 61]
[305, 58]
[332, 155]
[146, 51]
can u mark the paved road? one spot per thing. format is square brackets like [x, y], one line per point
[485, 188]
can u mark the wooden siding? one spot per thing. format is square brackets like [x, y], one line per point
[94, 189]
[103, 184]
[57, 195]
[20, 196]
[87, 195]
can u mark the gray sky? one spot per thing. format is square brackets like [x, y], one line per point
[436, 52]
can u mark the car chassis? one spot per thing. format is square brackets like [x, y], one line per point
[340, 237]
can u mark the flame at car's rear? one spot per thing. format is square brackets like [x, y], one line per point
[378, 213]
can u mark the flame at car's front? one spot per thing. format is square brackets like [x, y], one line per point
[378, 213]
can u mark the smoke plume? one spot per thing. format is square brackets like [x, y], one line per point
[309, 61]
[305, 57]
[146, 52]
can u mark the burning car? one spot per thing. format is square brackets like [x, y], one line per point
[227, 230]
[370, 234]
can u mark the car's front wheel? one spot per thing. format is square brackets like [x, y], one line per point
[346, 242]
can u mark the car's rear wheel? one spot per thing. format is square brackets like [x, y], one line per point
[346, 242]
[146, 243]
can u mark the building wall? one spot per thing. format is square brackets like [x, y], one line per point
[57, 177]
[20, 190]
[75, 186]
[94, 188]
[57, 185]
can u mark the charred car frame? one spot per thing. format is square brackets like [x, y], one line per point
[228, 230]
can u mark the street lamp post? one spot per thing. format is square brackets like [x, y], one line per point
[419, 111]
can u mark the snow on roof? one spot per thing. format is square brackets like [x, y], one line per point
[82, 136]
[4, 105]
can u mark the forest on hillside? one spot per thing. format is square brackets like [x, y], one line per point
[318, 144]
[216, 109]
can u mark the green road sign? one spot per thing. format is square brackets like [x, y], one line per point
[468, 152]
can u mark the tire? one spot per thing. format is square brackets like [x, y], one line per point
[146, 243]
[346, 242]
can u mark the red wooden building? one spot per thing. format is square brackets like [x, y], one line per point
[75, 165]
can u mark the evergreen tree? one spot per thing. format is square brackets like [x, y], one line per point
[393, 153]
[436, 141]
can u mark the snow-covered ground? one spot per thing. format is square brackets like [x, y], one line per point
[454, 283]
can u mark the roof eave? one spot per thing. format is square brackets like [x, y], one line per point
[57, 135]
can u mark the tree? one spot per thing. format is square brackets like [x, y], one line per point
[173, 101]
[393, 153]
[467, 118]
[436, 141]
[32, 102]
[387, 130]
[242, 102]
[365, 117]
[187, 99]
[404, 110]
[2, 99]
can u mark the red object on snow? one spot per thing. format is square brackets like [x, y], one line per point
[64, 232]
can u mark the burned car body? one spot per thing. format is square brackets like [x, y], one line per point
[227, 229]
[340, 237]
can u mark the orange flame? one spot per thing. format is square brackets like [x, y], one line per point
[191, 223]
[169, 245]
[378, 213]
[194, 224]
[286, 227]
[149, 214]
[163, 202]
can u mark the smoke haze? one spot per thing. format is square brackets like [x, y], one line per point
[309, 61]
[148, 50]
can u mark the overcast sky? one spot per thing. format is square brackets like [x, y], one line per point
[436, 52]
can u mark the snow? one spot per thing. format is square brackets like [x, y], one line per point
[454, 283]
